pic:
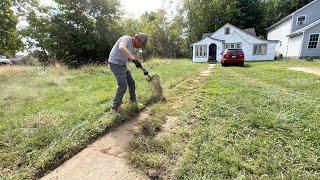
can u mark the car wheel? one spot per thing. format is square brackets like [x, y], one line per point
[242, 64]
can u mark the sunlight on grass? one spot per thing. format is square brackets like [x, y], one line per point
[47, 114]
[257, 124]
[261, 121]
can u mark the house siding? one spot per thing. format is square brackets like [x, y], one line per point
[295, 45]
[279, 33]
[305, 52]
[207, 41]
[312, 13]
[298, 43]
[247, 41]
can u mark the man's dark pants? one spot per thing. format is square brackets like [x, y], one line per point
[124, 80]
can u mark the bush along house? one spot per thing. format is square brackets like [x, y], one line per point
[298, 33]
[210, 48]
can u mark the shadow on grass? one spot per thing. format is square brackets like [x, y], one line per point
[246, 65]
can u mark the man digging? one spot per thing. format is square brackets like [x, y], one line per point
[122, 52]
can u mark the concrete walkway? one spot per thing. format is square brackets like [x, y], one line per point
[103, 159]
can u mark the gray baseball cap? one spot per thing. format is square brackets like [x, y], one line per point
[143, 38]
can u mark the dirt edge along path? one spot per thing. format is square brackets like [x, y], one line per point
[307, 70]
[104, 158]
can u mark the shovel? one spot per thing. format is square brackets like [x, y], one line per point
[154, 80]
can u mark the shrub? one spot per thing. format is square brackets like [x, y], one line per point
[279, 57]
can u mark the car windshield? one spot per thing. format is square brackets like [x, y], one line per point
[234, 51]
[3, 57]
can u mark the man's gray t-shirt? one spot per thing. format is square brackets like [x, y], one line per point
[115, 56]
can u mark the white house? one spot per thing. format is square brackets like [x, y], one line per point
[209, 49]
[298, 33]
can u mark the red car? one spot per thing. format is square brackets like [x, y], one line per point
[232, 56]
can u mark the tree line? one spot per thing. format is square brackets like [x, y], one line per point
[78, 32]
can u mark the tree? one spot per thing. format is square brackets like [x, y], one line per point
[165, 38]
[208, 16]
[10, 41]
[250, 15]
[274, 10]
[78, 31]
[131, 26]
[156, 26]
[176, 38]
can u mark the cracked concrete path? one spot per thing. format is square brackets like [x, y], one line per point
[103, 159]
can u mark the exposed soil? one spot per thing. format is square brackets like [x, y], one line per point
[157, 88]
[170, 125]
[103, 159]
[307, 70]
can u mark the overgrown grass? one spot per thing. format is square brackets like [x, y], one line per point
[257, 122]
[165, 132]
[293, 63]
[49, 114]
[261, 121]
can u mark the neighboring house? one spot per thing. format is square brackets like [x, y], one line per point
[298, 33]
[209, 49]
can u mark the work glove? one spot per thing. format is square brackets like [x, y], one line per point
[137, 63]
[145, 72]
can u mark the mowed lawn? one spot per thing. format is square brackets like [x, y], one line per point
[48, 114]
[261, 121]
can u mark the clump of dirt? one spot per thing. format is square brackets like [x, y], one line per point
[154, 80]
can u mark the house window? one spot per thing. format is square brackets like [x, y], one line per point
[301, 19]
[232, 45]
[226, 30]
[260, 49]
[313, 41]
[197, 52]
[201, 51]
[204, 51]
